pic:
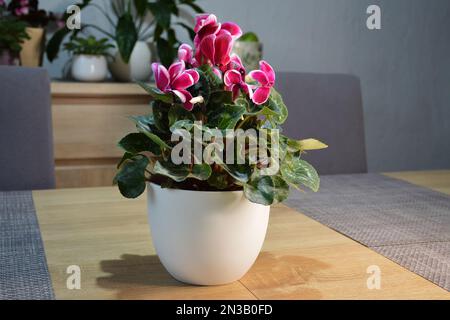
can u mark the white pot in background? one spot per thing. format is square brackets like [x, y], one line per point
[138, 68]
[89, 68]
[206, 238]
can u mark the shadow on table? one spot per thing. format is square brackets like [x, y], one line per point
[134, 272]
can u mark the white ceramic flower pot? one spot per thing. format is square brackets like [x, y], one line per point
[206, 238]
[89, 68]
[138, 68]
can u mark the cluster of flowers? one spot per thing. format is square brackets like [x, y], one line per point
[213, 45]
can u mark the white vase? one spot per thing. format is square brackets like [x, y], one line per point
[89, 68]
[138, 68]
[206, 238]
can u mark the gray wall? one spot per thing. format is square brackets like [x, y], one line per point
[404, 67]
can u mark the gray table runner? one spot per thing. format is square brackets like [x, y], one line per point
[23, 267]
[406, 223]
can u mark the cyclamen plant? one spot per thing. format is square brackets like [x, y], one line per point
[209, 91]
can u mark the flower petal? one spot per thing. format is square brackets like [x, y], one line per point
[188, 105]
[162, 77]
[204, 19]
[207, 47]
[185, 53]
[259, 76]
[180, 95]
[232, 77]
[223, 45]
[268, 70]
[176, 69]
[261, 95]
[233, 29]
[183, 81]
[194, 74]
[217, 72]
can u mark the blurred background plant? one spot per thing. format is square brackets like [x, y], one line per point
[133, 21]
[12, 35]
[89, 46]
[250, 49]
[29, 12]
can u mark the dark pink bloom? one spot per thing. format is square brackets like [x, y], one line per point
[176, 80]
[232, 28]
[21, 11]
[206, 24]
[235, 83]
[232, 81]
[215, 49]
[185, 53]
[266, 79]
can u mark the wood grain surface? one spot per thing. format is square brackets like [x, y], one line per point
[109, 238]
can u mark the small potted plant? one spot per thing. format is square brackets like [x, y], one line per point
[141, 30]
[89, 58]
[12, 35]
[36, 20]
[212, 158]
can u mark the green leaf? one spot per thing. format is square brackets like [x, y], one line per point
[177, 112]
[126, 36]
[189, 30]
[131, 177]
[156, 93]
[311, 144]
[240, 172]
[182, 124]
[219, 181]
[162, 13]
[266, 190]
[126, 156]
[249, 37]
[141, 7]
[55, 42]
[143, 125]
[201, 171]
[139, 142]
[226, 117]
[276, 104]
[179, 173]
[166, 52]
[191, 4]
[297, 171]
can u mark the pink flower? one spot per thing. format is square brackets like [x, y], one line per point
[215, 49]
[176, 80]
[235, 83]
[186, 54]
[234, 78]
[21, 11]
[206, 24]
[266, 79]
[236, 64]
[232, 28]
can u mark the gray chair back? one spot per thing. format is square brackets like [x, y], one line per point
[327, 107]
[26, 139]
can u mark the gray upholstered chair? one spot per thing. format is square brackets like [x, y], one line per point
[327, 107]
[26, 140]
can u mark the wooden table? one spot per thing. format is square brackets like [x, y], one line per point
[108, 237]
